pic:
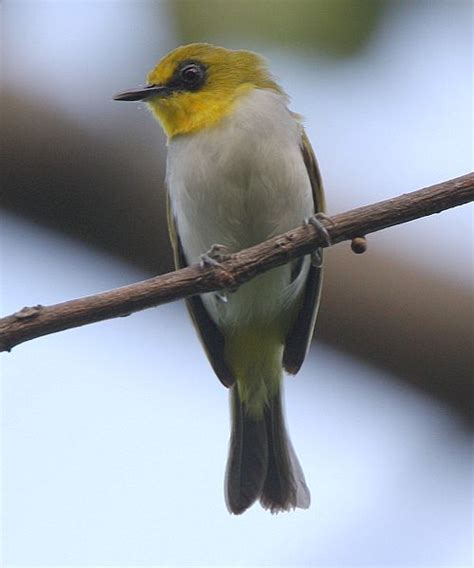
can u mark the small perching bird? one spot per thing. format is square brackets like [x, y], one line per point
[240, 170]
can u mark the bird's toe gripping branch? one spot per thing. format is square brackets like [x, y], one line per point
[317, 221]
[214, 257]
[358, 244]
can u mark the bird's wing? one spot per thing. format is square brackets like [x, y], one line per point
[209, 334]
[299, 337]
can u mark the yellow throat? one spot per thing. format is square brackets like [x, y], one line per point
[226, 75]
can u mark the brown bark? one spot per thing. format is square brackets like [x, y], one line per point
[37, 321]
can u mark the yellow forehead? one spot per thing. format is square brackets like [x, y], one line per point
[219, 60]
[163, 72]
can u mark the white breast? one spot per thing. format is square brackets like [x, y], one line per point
[237, 184]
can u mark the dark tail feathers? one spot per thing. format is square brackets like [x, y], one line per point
[262, 463]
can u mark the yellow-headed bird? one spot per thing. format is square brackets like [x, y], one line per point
[240, 170]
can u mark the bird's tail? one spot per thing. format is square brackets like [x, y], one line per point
[262, 463]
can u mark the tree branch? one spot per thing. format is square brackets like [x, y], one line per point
[32, 322]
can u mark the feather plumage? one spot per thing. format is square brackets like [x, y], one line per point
[298, 340]
[241, 170]
[238, 187]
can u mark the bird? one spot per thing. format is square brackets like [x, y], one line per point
[240, 170]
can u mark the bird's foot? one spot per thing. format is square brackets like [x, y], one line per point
[317, 221]
[317, 258]
[215, 256]
[222, 296]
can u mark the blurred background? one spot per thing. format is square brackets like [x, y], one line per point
[115, 435]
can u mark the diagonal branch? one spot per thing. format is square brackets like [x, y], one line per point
[32, 322]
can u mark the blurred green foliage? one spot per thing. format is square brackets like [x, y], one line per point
[337, 27]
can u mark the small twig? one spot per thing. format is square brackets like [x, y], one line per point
[238, 268]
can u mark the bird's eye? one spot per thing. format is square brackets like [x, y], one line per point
[191, 74]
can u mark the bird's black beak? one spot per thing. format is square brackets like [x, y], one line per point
[143, 94]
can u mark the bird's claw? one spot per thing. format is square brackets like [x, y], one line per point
[317, 258]
[223, 296]
[317, 221]
[214, 256]
[208, 260]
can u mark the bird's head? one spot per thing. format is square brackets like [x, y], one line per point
[196, 85]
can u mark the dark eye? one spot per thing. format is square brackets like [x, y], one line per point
[191, 74]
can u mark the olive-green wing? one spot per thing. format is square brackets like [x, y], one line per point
[210, 335]
[299, 337]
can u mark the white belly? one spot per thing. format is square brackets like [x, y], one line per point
[238, 184]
